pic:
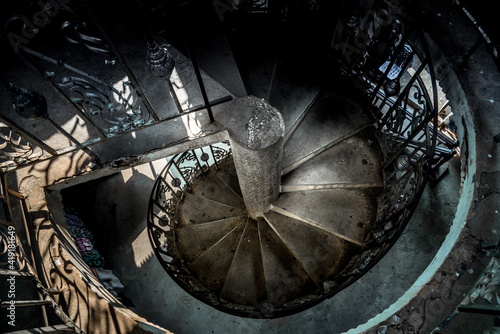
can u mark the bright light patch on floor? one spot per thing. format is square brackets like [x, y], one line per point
[192, 125]
[141, 248]
[77, 128]
[127, 174]
[180, 91]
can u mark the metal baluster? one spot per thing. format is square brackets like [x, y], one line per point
[130, 74]
[196, 67]
[174, 163]
[168, 186]
[205, 157]
[213, 155]
[197, 160]
[405, 93]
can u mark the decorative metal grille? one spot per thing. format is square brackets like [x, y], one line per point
[177, 178]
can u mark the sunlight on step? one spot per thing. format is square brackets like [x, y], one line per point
[192, 125]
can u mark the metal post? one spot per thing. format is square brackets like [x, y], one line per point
[196, 67]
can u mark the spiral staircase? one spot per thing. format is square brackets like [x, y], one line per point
[331, 179]
[354, 164]
[361, 141]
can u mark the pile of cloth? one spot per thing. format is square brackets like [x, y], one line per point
[84, 240]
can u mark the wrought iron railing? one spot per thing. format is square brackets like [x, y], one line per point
[16, 266]
[90, 83]
[397, 75]
[388, 59]
[170, 188]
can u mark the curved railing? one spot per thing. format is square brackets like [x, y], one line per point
[169, 189]
[18, 270]
[396, 74]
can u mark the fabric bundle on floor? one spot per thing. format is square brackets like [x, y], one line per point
[84, 240]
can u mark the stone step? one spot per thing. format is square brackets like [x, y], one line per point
[348, 213]
[334, 117]
[227, 175]
[211, 268]
[245, 283]
[193, 241]
[216, 58]
[321, 253]
[353, 163]
[197, 209]
[294, 113]
[286, 279]
[312, 152]
[295, 85]
[255, 54]
[214, 189]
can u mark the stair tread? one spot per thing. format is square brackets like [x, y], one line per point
[227, 174]
[285, 278]
[193, 241]
[211, 267]
[245, 282]
[347, 212]
[320, 253]
[255, 54]
[356, 160]
[195, 209]
[294, 86]
[213, 188]
[216, 58]
[332, 118]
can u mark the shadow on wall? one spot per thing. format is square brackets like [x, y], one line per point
[115, 209]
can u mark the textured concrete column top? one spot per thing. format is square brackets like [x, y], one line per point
[256, 130]
[254, 123]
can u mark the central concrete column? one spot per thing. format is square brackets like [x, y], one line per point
[256, 132]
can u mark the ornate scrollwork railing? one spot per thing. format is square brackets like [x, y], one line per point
[115, 111]
[396, 73]
[15, 266]
[70, 51]
[15, 150]
[169, 189]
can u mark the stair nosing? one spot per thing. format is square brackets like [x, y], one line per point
[327, 186]
[301, 117]
[268, 220]
[324, 148]
[314, 224]
[217, 202]
[210, 222]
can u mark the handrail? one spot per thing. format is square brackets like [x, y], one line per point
[483, 37]
[107, 111]
[19, 266]
[169, 189]
[408, 138]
